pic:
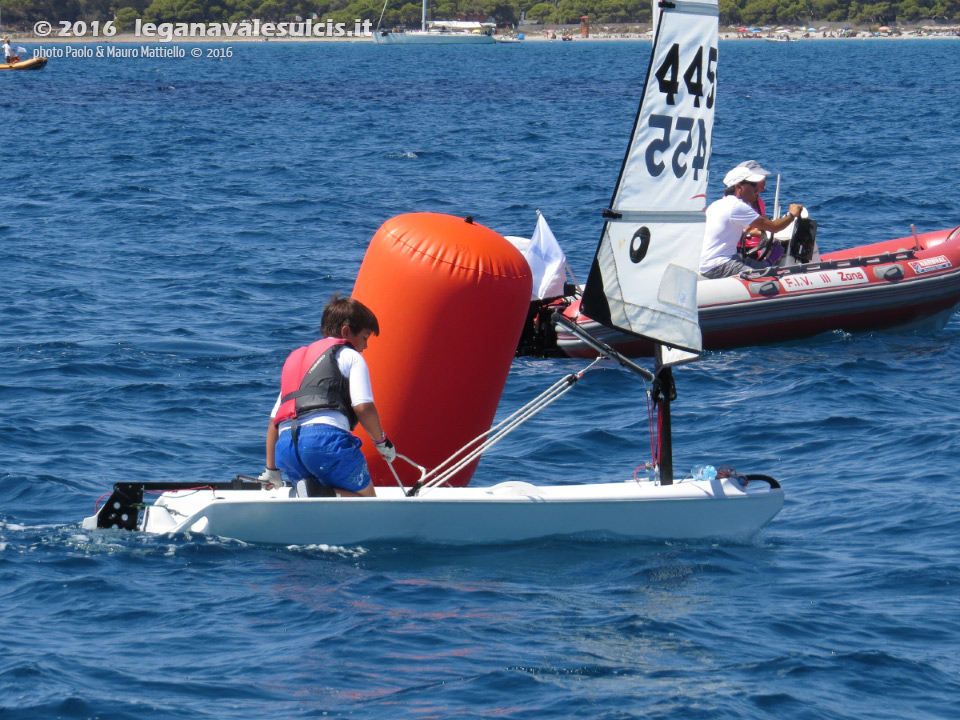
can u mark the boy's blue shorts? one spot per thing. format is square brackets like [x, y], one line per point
[328, 456]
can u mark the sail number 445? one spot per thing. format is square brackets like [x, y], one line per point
[668, 79]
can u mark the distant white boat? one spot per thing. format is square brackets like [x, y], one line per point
[438, 32]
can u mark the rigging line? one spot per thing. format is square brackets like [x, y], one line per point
[493, 440]
[495, 434]
[502, 429]
[658, 431]
[654, 440]
[551, 390]
[382, 12]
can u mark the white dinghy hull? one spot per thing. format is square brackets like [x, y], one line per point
[508, 512]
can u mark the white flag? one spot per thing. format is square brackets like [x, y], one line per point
[546, 261]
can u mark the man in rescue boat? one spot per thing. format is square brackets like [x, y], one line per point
[324, 393]
[9, 54]
[731, 215]
[752, 241]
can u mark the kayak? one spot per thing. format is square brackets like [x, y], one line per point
[31, 64]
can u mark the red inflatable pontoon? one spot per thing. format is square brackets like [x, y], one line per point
[908, 282]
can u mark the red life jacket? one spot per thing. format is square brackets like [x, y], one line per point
[748, 242]
[311, 380]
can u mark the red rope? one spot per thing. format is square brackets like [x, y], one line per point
[655, 419]
[96, 505]
[191, 489]
[656, 426]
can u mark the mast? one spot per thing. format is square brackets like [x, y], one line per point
[662, 393]
[643, 279]
[423, 17]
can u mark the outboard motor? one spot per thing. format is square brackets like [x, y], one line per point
[800, 242]
[803, 244]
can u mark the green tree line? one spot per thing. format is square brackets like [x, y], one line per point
[21, 14]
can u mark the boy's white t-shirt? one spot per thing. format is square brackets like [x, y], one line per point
[354, 368]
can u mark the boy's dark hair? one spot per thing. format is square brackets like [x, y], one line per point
[342, 311]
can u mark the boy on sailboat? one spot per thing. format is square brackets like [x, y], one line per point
[324, 393]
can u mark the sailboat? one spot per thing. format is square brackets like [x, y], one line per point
[437, 32]
[643, 280]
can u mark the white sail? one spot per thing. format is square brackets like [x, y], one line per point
[644, 274]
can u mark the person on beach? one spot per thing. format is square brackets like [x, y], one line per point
[728, 218]
[324, 393]
[9, 54]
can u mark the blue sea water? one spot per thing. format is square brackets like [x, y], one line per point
[170, 229]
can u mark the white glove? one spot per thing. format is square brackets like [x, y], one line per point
[386, 449]
[271, 477]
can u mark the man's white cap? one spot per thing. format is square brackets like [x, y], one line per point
[749, 171]
[755, 166]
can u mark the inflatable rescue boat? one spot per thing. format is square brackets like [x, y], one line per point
[31, 64]
[907, 283]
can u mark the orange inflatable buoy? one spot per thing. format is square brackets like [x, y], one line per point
[451, 298]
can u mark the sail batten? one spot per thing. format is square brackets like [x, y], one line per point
[696, 8]
[677, 216]
[644, 275]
